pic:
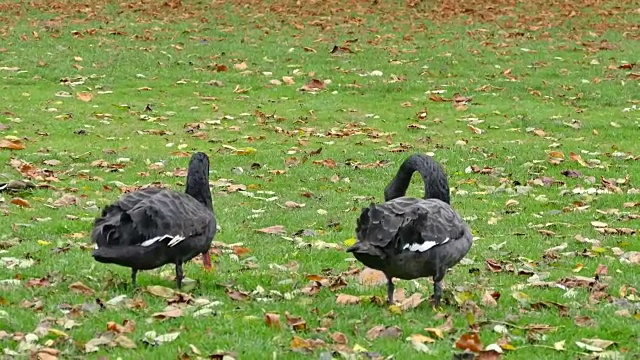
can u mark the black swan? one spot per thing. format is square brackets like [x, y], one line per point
[410, 238]
[148, 228]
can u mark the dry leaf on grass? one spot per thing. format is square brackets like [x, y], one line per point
[312, 86]
[81, 288]
[272, 320]
[11, 144]
[344, 299]
[170, 314]
[371, 277]
[275, 229]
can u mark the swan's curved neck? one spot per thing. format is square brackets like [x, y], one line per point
[436, 184]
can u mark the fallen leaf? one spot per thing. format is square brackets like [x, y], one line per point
[238, 295]
[20, 202]
[84, 96]
[275, 229]
[174, 313]
[421, 338]
[469, 341]
[382, 331]
[577, 158]
[160, 291]
[602, 344]
[439, 333]
[344, 299]
[493, 265]
[81, 288]
[124, 342]
[411, 302]
[339, 338]
[293, 205]
[312, 86]
[371, 277]
[11, 144]
[65, 200]
[297, 323]
[272, 320]
[489, 300]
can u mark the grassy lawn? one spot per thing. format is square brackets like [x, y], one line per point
[533, 109]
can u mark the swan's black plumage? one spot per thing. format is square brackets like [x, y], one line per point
[409, 238]
[148, 228]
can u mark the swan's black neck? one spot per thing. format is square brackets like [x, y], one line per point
[436, 185]
[198, 179]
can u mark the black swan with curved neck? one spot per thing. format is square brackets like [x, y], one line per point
[148, 228]
[410, 238]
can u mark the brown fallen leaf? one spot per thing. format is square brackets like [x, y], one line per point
[47, 353]
[293, 205]
[577, 158]
[380, 330]
[469, 341]
[174, 313]
[584, 321]
[11, 144]
[344, 299]
[20, 202]
[329, 163]
[65, 200]
[238, 295]
[124, 342]
[297, 323]
[241, 66]
[272, 320]
[84, 96]
[602, 270]
[128, 326]
[339, 338]
[312, 86]
[488, 355]
[81, 288]
[493, 265]
[422, 339]
[371, 277]
[488, 299]
[411, 302]
[275, 229]
[288, 80]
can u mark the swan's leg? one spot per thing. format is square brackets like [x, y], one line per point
[206, 260]
[179, 274]
[390, 290]
[437, 289]
[134, 272]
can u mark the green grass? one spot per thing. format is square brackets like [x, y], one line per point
[128, 57]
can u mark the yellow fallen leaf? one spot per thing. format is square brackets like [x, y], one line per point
[58, 333]
[421, 338]
[349, 242]
[43, 243]
[357, 348]
[245, 151]
[435, 331]
[395, 309]
[579, 267]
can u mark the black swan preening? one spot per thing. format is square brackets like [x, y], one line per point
[409, 238]
[152, 227]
